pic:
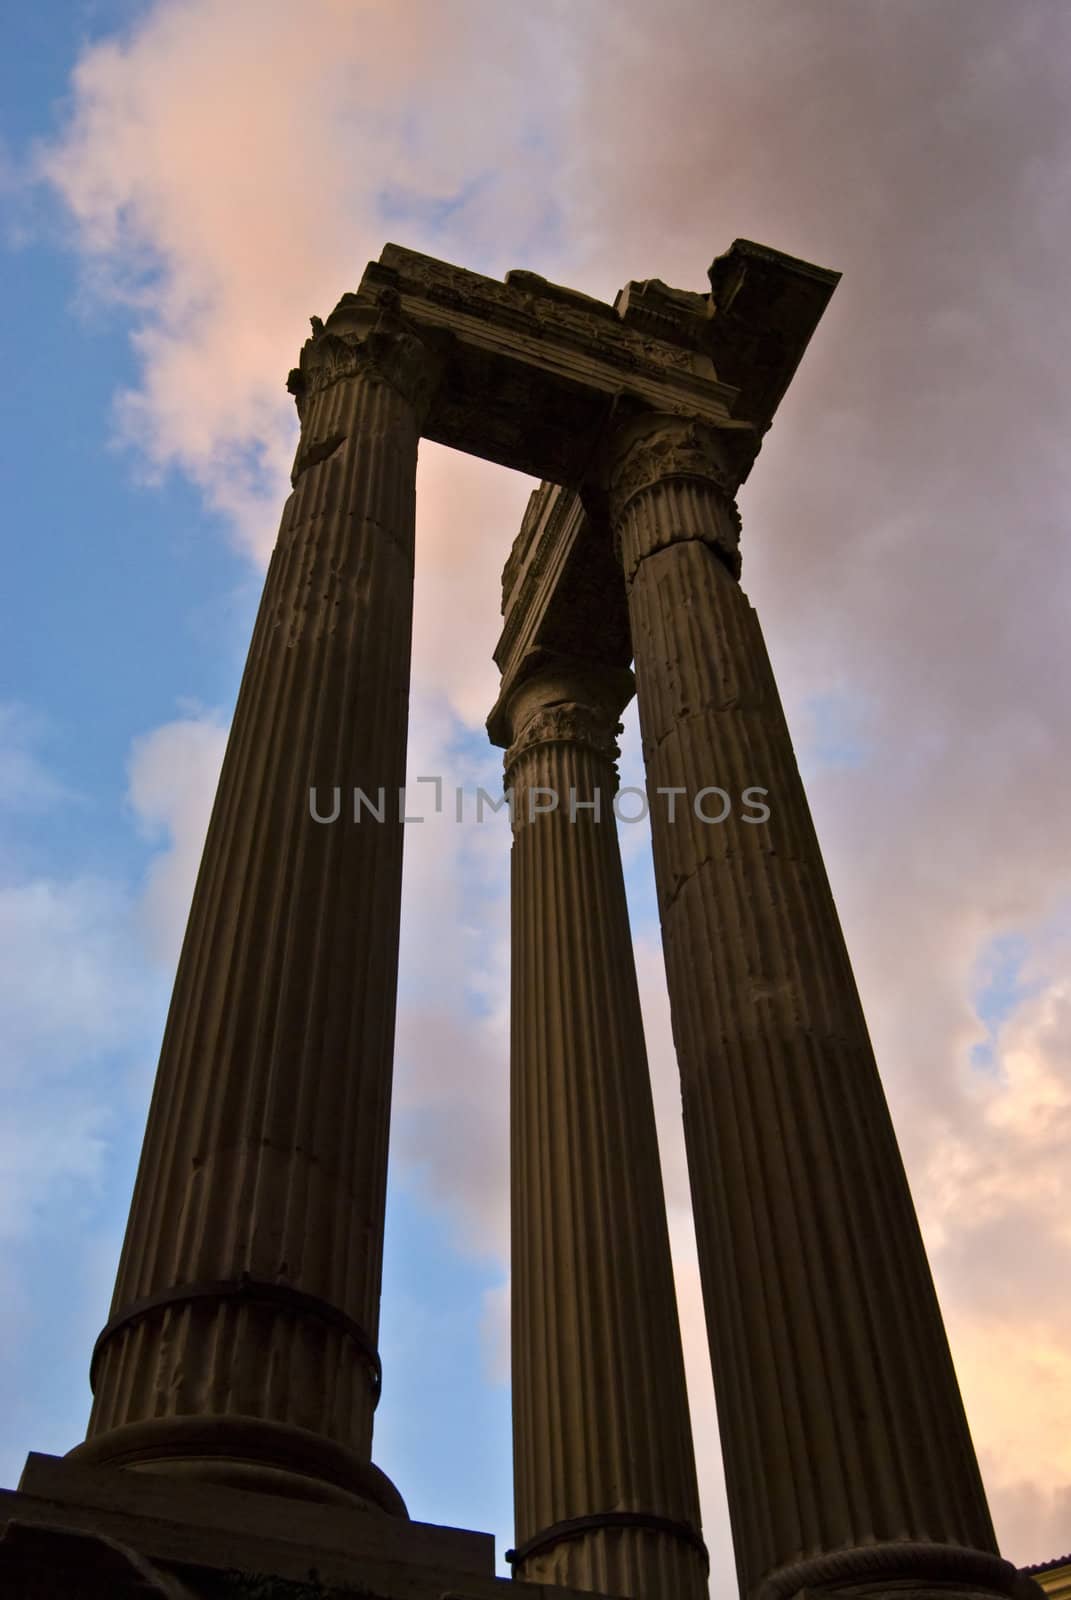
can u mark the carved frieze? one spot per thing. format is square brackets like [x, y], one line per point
[535, 374]
[564, 599]
[550, 528]
[534, 514]
[536, 371]
[674, 316]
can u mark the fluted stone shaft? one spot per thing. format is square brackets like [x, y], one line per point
[600, 1417]
[840, 1415]
[245, 1314]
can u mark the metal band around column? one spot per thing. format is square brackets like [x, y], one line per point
[577, 1527]
[246, 1290]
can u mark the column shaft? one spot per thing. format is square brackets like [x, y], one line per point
[601, 1426]
[840, 1415]
[257, 1220]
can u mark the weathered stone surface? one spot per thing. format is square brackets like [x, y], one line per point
[534, 374]
[847, 1455]
[242, 1339]
[765, 306]
[604, 1472]
[39, 1561]
[241, 1349]
[563, 597]
[77, 1531]
[533, 371]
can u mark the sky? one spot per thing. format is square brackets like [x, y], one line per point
[183, 183]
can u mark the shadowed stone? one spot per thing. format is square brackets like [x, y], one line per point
[240, 1353]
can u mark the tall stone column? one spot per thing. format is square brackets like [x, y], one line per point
[604, 1472]
[242, 1340]
[847, 1454]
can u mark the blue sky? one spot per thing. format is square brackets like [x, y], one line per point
[128, 606]
[182, 185]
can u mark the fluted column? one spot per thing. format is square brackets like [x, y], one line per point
[604, 1473]
[847, 1453]
[242, 1342]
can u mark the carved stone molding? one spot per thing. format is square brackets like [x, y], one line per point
[671, 480]
[568, 723]
[548, 507]
[568, 703]
[656, 449]
[374, 340]
[914, 1567]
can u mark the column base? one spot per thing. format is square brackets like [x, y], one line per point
[908, 1570]
[103, 1533]
[245, 1453]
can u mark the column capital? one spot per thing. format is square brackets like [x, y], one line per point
[568, 704]
[657, 455]
[249, 1286]
[373, 340]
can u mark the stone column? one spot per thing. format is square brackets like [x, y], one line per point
[242, 1340]
[847, 1453]
[604, 1473]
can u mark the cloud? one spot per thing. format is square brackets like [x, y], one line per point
[906, 555]
[80, 995]
[998, 1195]
[449, 1135]
[75, 1007]
[77, 1001]
[76, 1011]
[223, 195]
[467, 516]
[713, 1505]
[64, 942]
[81, 1007]
[991, 1179]
[27, 785]
[495, 1331]
[173, 772]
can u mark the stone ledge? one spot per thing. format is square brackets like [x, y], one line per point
[85, 1532]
